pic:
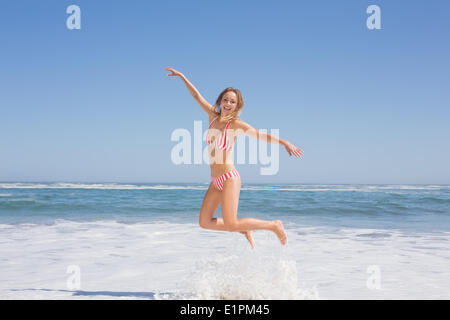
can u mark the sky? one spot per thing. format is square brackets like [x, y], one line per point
[367, 106]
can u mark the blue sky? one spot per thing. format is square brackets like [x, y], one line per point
[95, 104]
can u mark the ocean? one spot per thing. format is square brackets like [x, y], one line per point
[143, 241]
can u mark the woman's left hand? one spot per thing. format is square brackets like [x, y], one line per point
[293, 150]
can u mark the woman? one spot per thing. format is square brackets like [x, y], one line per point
[225, 180]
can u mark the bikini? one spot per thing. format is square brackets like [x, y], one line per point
[222, 143]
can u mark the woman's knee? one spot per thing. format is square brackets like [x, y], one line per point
[203, 223]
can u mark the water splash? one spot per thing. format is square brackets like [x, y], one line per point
[248, 276]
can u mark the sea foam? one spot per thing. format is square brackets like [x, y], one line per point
[204, 186]
[249, 277]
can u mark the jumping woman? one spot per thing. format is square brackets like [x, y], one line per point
[224, 127]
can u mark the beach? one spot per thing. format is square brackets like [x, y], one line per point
[143, 241]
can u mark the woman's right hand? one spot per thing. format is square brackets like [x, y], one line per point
[174, 72]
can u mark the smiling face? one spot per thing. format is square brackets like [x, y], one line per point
[229, 103]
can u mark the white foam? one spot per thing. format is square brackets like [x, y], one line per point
[246, 277]
[301, 189]
[359, 188]
[169, 260]
[111, 186]
[315, 188]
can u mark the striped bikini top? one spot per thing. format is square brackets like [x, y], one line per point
[223, 142]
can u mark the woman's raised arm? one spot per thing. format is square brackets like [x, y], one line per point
[268, 138]
[206, 106]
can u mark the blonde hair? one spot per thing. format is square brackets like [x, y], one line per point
[239, 106]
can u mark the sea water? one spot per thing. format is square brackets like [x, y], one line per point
[143, 241]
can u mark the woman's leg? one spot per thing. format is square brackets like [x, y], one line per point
[210, 204]
[230, 202]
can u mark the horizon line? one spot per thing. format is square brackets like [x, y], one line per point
[196, 182]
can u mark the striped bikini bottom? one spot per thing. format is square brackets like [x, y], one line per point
[218, 181]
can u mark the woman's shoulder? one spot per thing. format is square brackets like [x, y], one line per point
[212, 116]
[239, 124]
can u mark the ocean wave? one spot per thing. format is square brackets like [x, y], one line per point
[274, 187]
[357, 188]
[319, 262]
[110, 186]
[299, 189]
[435, 200]
[244, 276]
[99, 223]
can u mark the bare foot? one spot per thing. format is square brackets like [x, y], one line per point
[279, 230]
[249, 236]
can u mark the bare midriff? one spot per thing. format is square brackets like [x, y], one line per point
[222, 166]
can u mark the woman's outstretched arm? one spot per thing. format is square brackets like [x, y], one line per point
[206, 106]
[269, 138]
